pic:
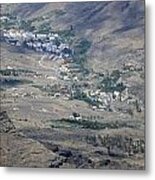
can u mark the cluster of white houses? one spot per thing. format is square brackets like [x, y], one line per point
[53, 45]
[50, 43]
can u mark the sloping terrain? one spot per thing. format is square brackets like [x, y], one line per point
[116, 38]
[86, 111]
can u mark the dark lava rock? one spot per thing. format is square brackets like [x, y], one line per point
[107, 162]
[56, 164]
[6, 124]
[55, 148]
[65, 153]
[50, 146]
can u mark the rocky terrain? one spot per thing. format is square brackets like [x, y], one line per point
[72, 85]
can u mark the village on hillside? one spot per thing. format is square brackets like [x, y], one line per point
[40, 42]
[101, 95]
[73, 85]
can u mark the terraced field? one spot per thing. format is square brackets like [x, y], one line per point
[85, 110]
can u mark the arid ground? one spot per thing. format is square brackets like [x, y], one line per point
[72, 85]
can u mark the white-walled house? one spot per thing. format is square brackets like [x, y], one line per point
[41, 36]
[39, 42]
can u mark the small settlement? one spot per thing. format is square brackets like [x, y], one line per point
[45, 43]
[106, 90]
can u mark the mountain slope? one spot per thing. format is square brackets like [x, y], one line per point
[85, 110]
[114, 28]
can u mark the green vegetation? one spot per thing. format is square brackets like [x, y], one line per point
[66, 35]
[44, 28]
[80, 50]
[85, 124]
[26, 25]
[82, 46]
[83, 97]
[14, 72]
[115, 75]
[6, 24]
[126, 143]
[89, 124]
[8, 72]
[77, 124]
[110, 84]
[14, 82]
[13, 22]
[51, 90]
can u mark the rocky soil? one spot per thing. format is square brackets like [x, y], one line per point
[35, 128]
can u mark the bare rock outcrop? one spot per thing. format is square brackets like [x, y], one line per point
[6, 124]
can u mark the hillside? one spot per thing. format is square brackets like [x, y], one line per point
[116, 38]
[72, 83]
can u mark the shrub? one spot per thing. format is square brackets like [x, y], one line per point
[82, 46]
[44, 28]
[109, 83]
[14, 82]
[80, 49]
